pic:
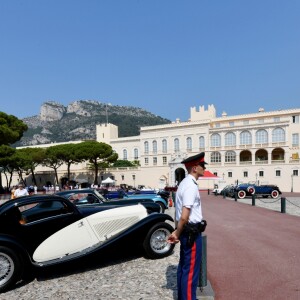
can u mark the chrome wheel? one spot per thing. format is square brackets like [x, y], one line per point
[7, 268]
[158, 240]
[11, 268]
[155, 243]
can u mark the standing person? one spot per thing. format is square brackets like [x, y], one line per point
[189, 227]
[20, 191]
[12, 192]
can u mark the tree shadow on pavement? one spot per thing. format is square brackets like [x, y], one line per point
[94, 261]
[171, 276]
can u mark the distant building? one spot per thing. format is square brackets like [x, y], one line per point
[260, 147]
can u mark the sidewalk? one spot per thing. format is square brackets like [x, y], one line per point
[253, 253]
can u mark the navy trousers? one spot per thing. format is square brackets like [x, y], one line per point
[188, 268]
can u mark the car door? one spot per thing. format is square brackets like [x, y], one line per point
[41, 218]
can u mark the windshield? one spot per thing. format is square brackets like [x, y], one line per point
[100, 196]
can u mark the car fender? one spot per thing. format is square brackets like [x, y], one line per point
[140, 229]
[12, 243]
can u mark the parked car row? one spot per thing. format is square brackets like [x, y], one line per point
[160, 198]
[43, 230]
[248, 189]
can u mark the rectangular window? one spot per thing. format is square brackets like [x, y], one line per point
[154, 161]
[276, 119]
[246, 122]
[146, 161]
[164, 160]
[215, 173]
[231, 124]
[260, 121]
[245, 174]
[295, 139]
[295, 173]
[295, 119]
[229, 174]
[218, 125]
[261, 173]
[278, 173]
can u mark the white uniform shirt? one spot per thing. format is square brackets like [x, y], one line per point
[20, 193]
[188, 196]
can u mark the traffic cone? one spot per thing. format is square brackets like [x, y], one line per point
[170, 201]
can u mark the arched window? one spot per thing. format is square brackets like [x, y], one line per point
[245, 138]
[278, 135]
[189, 145]
[215, 157]
[154, 147]
[230, 139]
[124, 154]
[201, 142]
[230, 156]
[164, 146]
[215, 140]
[176, 145]
[135, 153]
[261, 136]
[146, 147]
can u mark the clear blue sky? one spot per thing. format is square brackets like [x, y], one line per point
[161, 55]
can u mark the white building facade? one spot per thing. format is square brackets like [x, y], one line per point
[260, 147]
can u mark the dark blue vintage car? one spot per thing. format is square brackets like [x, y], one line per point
[247, 189]
[89, 195]
[39, 231]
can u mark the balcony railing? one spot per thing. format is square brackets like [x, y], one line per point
[246, 162]
[261, 162]
[278, 161]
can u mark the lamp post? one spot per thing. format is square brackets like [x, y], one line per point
[292, 177]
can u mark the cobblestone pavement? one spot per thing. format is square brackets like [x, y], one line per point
[131, 278]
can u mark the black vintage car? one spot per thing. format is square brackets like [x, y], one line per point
[92, 196]
[38, 231]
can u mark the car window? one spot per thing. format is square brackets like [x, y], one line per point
[41, 210]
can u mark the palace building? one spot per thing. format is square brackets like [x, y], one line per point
[261, 148]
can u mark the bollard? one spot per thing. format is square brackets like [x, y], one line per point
[224, 194]
[203, 265]
[207, 191]
[253, 199]
[283, 205]
[235, 196]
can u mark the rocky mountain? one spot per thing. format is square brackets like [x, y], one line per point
[77, 121]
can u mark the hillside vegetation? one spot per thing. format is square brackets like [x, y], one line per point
[77, 121]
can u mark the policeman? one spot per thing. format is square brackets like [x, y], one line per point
[189, 228]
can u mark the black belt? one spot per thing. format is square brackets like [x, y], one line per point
[195, 227]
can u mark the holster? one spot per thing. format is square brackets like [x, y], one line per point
[193, 230]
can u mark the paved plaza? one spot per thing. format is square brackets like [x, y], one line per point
[253, 253]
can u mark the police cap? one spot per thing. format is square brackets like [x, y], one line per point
[194, 160]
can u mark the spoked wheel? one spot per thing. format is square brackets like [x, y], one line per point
[10, 268]
[251, 190]
[274, 194]
[241, 194]
[155, 243]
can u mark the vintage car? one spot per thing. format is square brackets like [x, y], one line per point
[85, 196]
[43, 230]
[247, 189]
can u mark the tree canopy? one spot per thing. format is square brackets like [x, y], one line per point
[11, 129]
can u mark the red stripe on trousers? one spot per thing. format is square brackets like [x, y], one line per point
[191, 272]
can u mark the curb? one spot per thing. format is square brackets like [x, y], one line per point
[205, 293]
